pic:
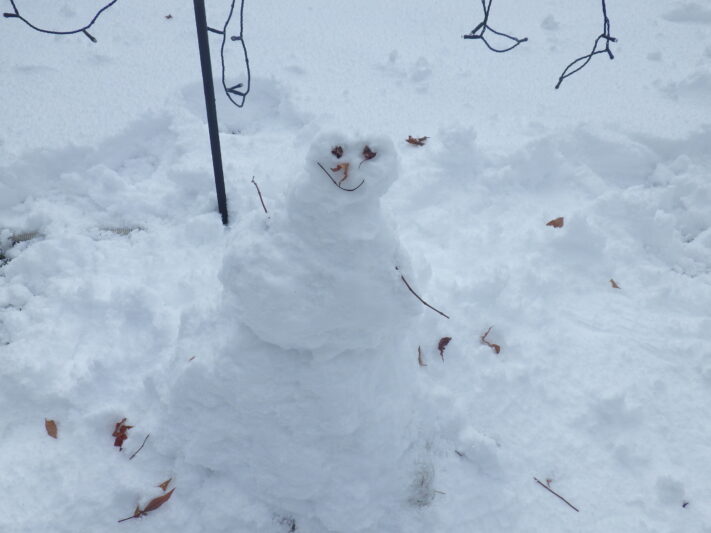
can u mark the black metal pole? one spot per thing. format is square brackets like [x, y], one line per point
[204, 45]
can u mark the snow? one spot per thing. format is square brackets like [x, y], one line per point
[272, 365]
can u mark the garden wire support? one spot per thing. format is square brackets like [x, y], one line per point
[236, 92]
[204, 46]
[83, 29]
[236, 76]
[478, 32]
[579, 63]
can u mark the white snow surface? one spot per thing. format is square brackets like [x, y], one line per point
[272, 364]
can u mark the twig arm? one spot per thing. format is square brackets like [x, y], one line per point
[545, 486]
[418, 296]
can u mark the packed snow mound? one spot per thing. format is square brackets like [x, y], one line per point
[330, 444]
[324, 269]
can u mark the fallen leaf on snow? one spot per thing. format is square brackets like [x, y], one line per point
[157, 502]
[120, 433]
[420, 141]
[152, 506]
[420, 358]
[556, 222]
[51, 427]
[337, 151]
[491, 345]
[614, 284]
[443, 342]
[165, 484]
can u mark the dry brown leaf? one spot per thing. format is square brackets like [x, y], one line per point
[165, 484]
[491, 345]
[120, 433]
[368, 153]
[157, 502]
[51, 427]
[419, 141]
[420, 358]
[614, 284]
[169, 16]
[556, 222]
[337, 151]
[152, 505]
[344, 168]
[443, 342]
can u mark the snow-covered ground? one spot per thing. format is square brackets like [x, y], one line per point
[274, 363]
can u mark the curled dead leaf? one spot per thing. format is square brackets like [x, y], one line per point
[443, 342]
[420, 357]
[419, 141]
[614, 284]
[495, 347]
[120, 432]
[165, 484]
[556, 222]
[368, 153]
[337, 152]
[51, 427]
[344, 168]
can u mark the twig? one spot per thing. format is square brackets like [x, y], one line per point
[418, 296]
[260, 195]
[335, 182]
[139, 449]
[559, 496]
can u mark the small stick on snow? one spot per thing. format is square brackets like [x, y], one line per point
[418, 296]
[260, 196]
[555, 493]
[139, 449]
[336, 183]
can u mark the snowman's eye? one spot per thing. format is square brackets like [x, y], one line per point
[337, 151]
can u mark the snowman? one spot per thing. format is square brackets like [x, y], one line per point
[324, 381]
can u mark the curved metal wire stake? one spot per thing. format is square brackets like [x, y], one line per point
[83, 29]
[478, 32]
[236, 76]
[579, 63]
